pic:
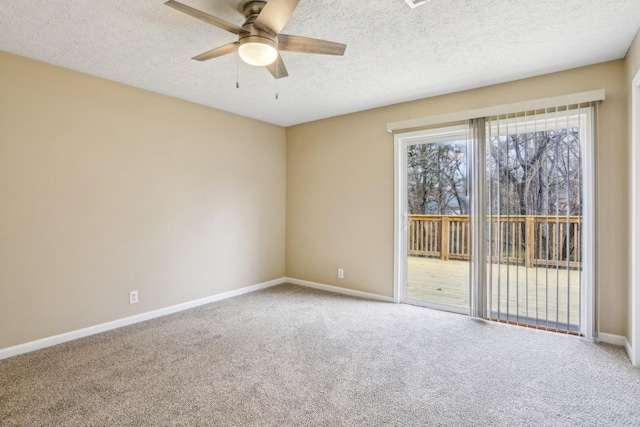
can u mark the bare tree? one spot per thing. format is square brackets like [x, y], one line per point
[528, 173]
[437, 179]
[537, 173]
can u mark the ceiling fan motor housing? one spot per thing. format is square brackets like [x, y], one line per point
[254, 35]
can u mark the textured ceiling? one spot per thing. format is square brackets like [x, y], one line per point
[394, 53]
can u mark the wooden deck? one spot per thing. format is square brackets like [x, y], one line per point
[513, 290]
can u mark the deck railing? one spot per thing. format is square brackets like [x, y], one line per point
[516, 239]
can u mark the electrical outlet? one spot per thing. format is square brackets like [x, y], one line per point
[340, 273]
[133, 297]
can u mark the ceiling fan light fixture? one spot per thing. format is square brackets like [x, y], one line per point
[258, 51]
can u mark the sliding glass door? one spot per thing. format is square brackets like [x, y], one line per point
[523, 184]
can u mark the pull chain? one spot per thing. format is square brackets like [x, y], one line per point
[277, 74]
[237, 71]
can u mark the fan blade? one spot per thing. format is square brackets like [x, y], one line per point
[275, 15]
[277, 69]
[209, 19]
[219, 51]
[308, 45]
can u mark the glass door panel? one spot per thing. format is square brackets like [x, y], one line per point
[437, 223]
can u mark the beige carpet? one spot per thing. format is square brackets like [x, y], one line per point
[295, 356]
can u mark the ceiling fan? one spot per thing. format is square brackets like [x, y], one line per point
[259, 38]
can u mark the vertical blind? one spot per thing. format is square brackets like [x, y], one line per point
[534, 216]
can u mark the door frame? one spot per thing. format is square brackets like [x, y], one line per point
[634, 346]
[588, 320]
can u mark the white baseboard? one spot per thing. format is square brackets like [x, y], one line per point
[629, 349]
[614, 339]
[633, 355]
[103, 327]
[339, 290]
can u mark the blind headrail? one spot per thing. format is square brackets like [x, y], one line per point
[496, 110]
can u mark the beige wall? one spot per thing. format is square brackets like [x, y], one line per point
[107, 188]
[340, 186]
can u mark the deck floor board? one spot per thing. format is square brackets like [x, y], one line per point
[528, 293]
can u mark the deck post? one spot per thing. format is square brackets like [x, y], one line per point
[444, 243]
[530, 226]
